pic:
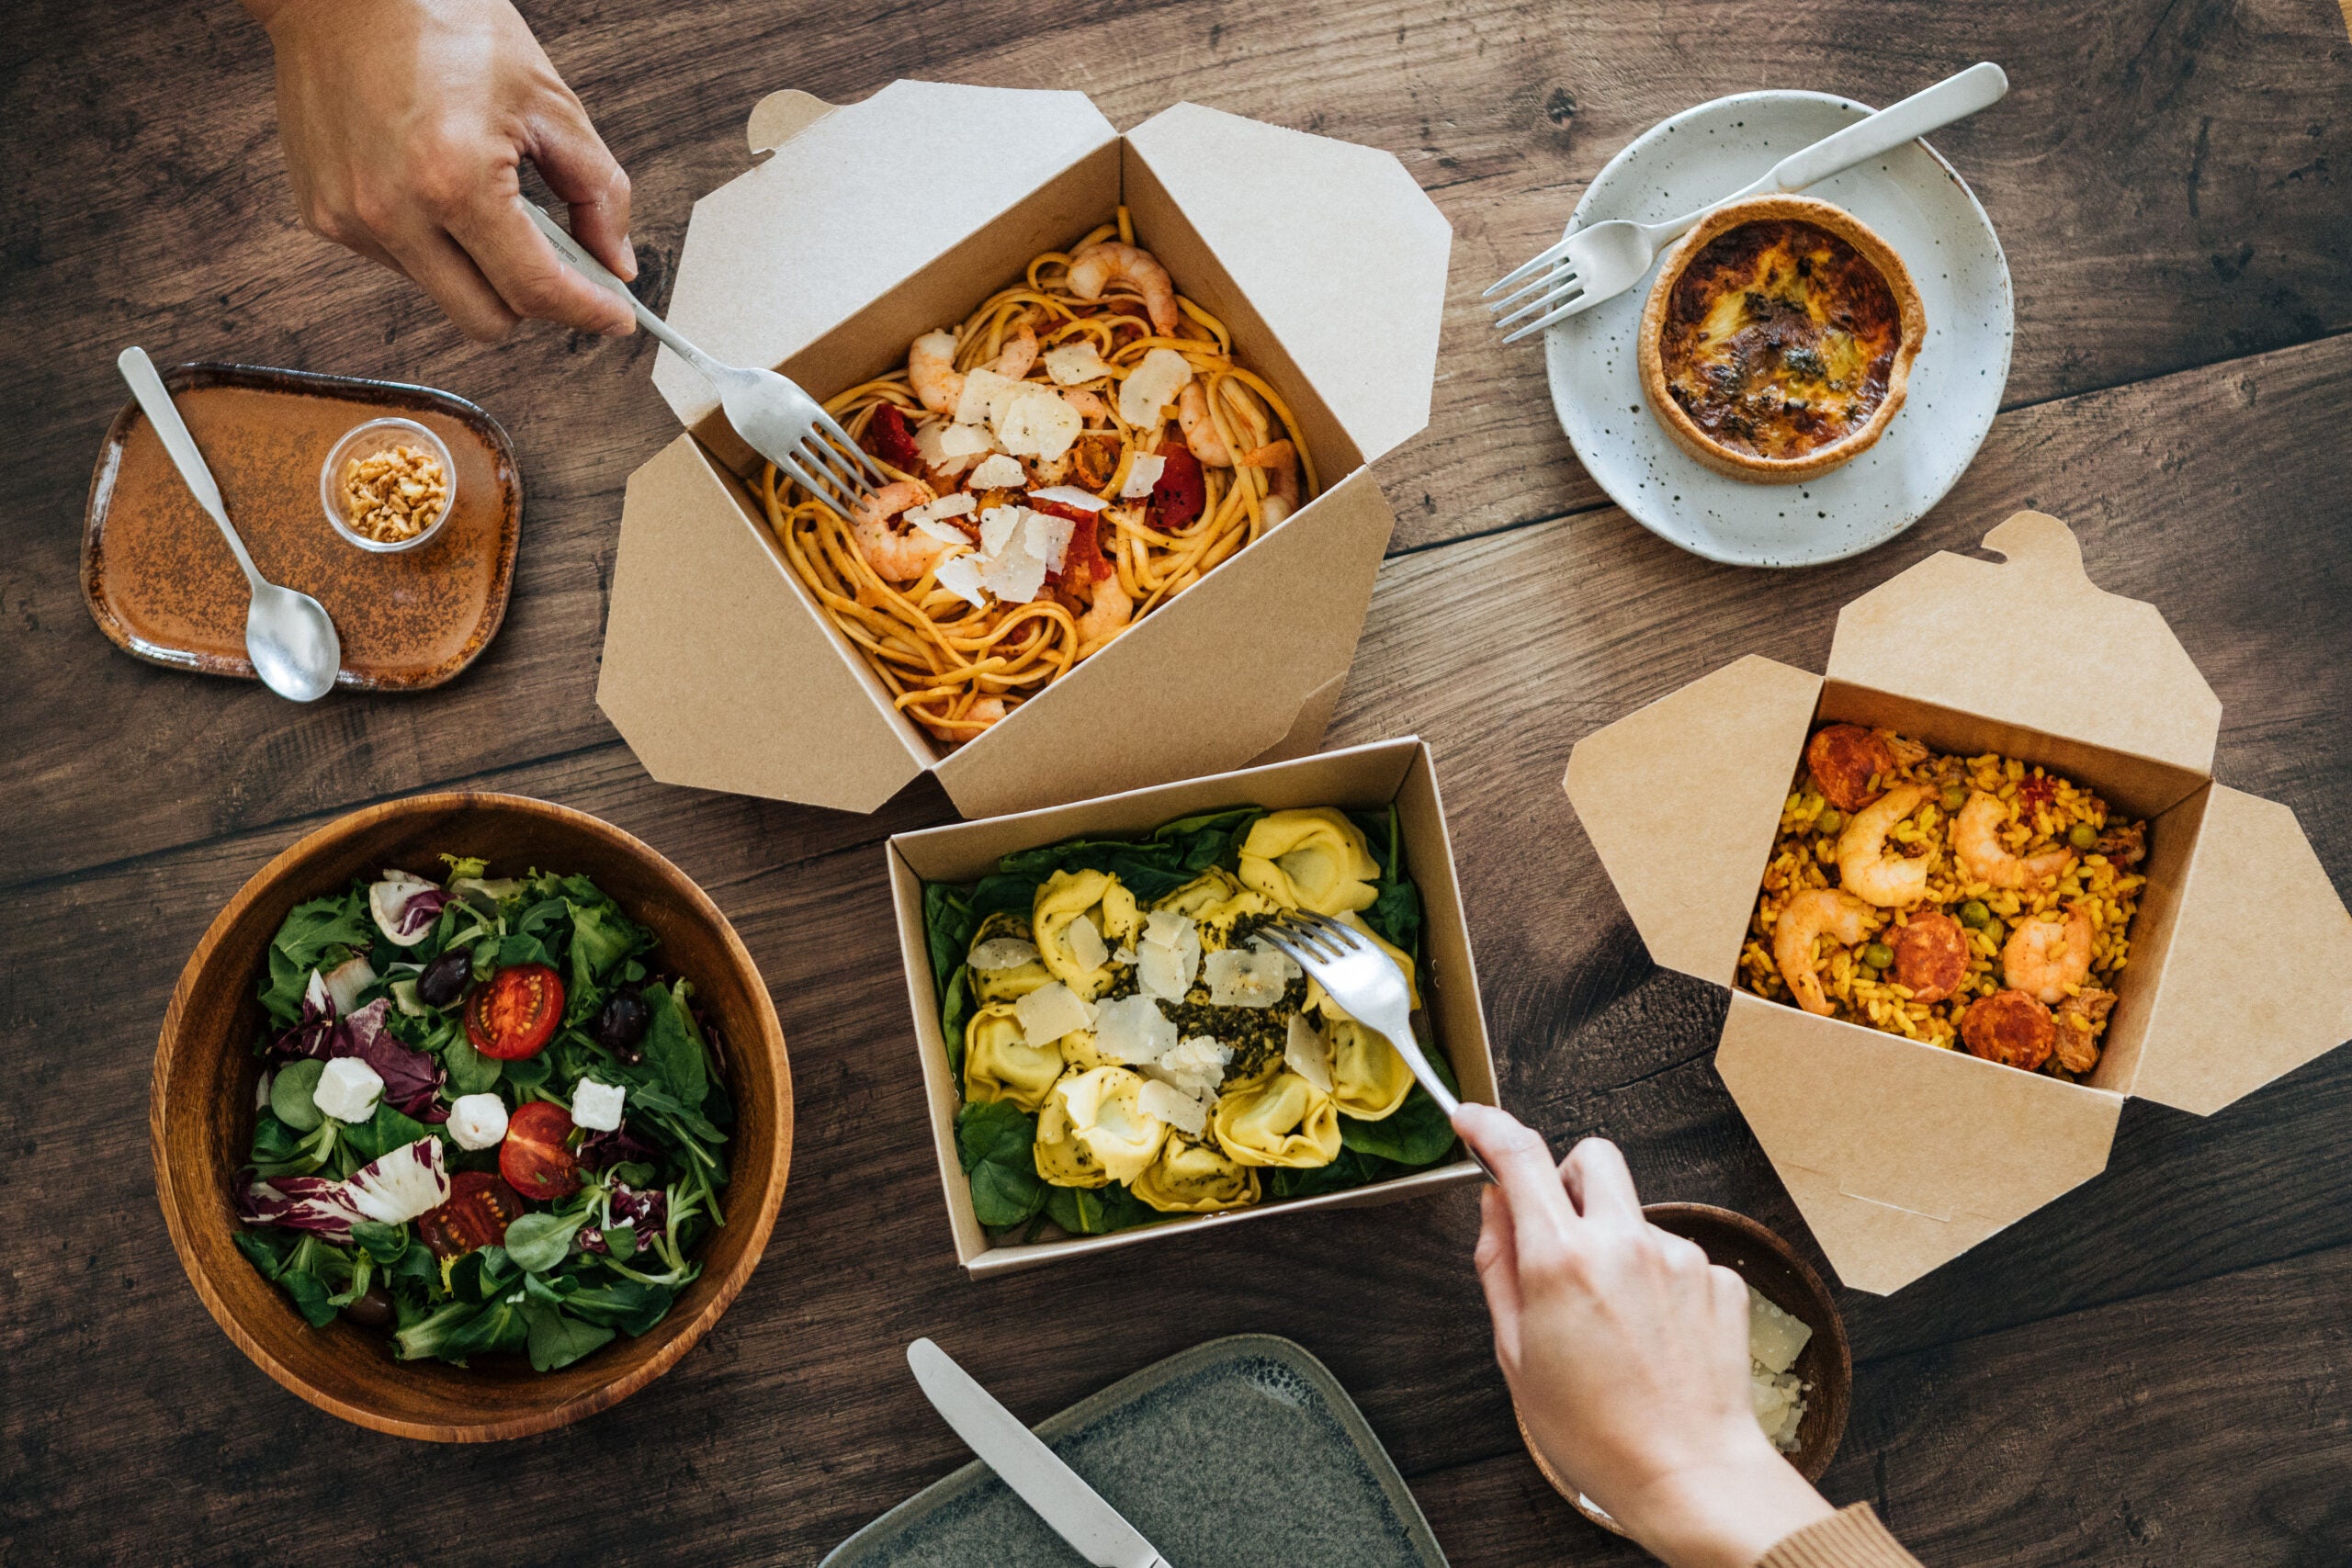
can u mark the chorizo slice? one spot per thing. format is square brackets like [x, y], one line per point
[1843, 758]
[2010, 1028]
[1931, 956]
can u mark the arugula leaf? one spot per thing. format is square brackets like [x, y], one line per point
[382, 1134]
[266, 1249]
[381, 1242]
[309, 1295]
[673, 1047]
[995, 1141]
[538, 1242]
[1097, 1210]
[629, 1305]
[557, 1339]
[335, 924]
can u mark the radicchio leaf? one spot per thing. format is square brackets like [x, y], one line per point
[410, 1079]
[405, 906]
[302, 1203]
[599, 1150]
[648, 1212]
[406, 1183]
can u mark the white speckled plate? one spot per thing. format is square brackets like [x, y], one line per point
[1922, 208]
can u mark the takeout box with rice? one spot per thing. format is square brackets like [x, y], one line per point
[1970, 889]
[1127, 388]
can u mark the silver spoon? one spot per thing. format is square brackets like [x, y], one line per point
[288, 635]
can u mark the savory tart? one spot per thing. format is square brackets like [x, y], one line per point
[1779, 338]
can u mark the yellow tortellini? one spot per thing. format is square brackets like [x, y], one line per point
[1005, 985]
[1191, 1177]
[1092, 1131]
[1287, 1121]
[1105, 903]
[1369, 1078]
[1311, 858]
[1080, 1052]
[1213, 901]
[998, 1063]
[1318, 1001]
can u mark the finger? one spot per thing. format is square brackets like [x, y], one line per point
[1597, 1179]
[583, 173]
[530, 277]
[446, 272]
[1498, 1264]
[1541, 1215]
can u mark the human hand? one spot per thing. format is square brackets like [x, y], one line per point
[405, 123]
[1626, 1352]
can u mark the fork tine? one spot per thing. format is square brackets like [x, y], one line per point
[865, 460]
[808, 482]
[1557, 278]
[825, 460]
[1568, 289]
[1544, 257]
[1562, 313]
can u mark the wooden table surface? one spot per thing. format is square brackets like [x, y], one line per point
[2154, 1369]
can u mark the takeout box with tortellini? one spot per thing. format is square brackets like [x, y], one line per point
[870, 225]
[1187, 1180]
[1902, 1154]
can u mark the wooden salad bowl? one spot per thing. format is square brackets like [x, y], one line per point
[201, 1117]
[1760, 1256]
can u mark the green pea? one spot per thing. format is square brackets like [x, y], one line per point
[2082, 835]
[1830, 819]
[1878, 956]
[1974, 913]
[1955, 797]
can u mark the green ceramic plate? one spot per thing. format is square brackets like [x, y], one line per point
[1239, 1451]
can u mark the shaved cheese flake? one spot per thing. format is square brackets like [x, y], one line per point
[1050, 1012]
[1172, 1106]
[1775, 1338]
[1074, 364]
[1015, 576]
[1002, 952]
[998, 527]
[1070, 495]
[983, 389]
[945, 532]
[1133, 1029]
[1122, 954]
[1307, 1053]
[1150, 387]
[965, 441]
[1142, 474]
[1038, 423]
[1246, 978]
[1167, 926]
[1048, 538]
[961, 577]
[1169, 955]
[999, 473]
[956, 506]
[1086, 943]
[1194, 1065]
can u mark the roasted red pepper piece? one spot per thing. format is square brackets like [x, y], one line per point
[1085, 540]
[888, 438]
[1181, 494]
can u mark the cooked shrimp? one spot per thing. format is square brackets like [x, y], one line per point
[978, 716]
[931, 371]
[1098, 266]
[2043, 957]
[1817, 911]
[1106, 615]
[1868, 866]
[896, 554]
[2078, 1018]
[1018, 354]
[1199, 430]
[1280, 461]
[1088, 405]
[1976, 840]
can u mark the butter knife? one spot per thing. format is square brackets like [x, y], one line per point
[1023, 1462]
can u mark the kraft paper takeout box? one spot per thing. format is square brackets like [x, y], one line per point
[872, 223]
[1359, 778]
[1901, 1155]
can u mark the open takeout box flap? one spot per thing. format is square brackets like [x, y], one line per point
[1902, 1156]
[718, 671]
[1340, 251]
[1683, 798]
[2251, 949]
[860, 198]
[2102, 669]
[1110, 727]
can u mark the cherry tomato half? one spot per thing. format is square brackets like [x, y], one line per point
[533, 1157]
[514, 1013]
[479, 1209]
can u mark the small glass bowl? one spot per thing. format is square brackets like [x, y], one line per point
[365, 440]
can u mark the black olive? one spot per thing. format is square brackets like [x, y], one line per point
[444, 980]
[371, 1309]
[620, 1022]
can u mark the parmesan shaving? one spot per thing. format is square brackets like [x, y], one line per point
[1169, 955]
[1132, 1030]
[999, 473]
[945, 532]
[1070, 495]
[1074, 364]
[1015, 575]
[965, 441]
[1002, 952]
[956, 506]
[1195, 1065]
[1050, 1012]
[985, 394]
[1775, 1340]
[1086, 943]
[1038, 423]
[998, 525]
[1309, 1055]
[1150, 387]
[1048, 538]
[961, 577]
[1246, 978]
[1172, 1106]
[1142, 474]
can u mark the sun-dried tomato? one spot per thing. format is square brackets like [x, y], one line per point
[1181, 494]
[888, 438]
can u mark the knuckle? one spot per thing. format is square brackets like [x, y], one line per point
[375, 209]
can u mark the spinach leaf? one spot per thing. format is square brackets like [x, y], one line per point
[1097, 1210]
[949, 923]
[521, 948]
[1174, 855]
[1396, 914]
[381, 1242]
[1418, 1133]
[557, 1339]
[382, 1134]
[538, 1242]
[266, 1250]
[999, 893]
[995, 1142]
[673, 1047]
[291, 1091]
[309, 1295]
[1352, 1169]
[955, 1012]
[471, 1072]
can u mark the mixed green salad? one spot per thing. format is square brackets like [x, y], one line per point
[487, 1124]
[1127, 1051]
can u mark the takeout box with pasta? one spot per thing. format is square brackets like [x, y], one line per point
[1970, 890]
[1127, 389]
[1110, 1056]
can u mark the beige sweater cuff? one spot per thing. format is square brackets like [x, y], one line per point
[1850, 1537]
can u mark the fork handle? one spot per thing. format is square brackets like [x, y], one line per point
[595, 271]
[1931, 108]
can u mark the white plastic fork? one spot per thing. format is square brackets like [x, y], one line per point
[1368, 986]
[783, 423]
[1601, 261]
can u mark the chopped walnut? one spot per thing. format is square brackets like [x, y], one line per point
[395, 495]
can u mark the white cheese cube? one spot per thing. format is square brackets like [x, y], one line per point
[478, 1120]
[348, 1090]
[597, 1106]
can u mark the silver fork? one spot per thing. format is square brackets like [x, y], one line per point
[783, 423]
[1368, 986]
[1601, 261]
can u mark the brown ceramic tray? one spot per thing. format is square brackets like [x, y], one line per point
[159, 579]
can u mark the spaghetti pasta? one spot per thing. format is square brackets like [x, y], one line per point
[1081, 449]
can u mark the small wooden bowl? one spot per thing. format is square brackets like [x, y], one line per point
[201, 1117]
[1760, 1256]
